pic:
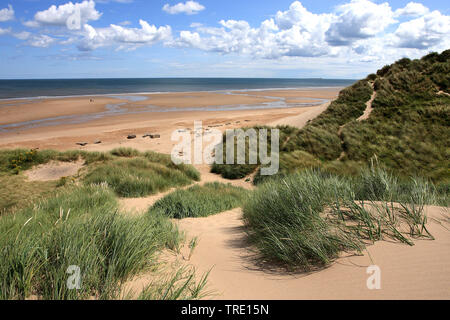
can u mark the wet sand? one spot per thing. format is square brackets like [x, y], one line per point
[61, 123]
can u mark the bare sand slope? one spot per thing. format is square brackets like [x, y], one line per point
[418, 272]
[300, 120]
[53, 170]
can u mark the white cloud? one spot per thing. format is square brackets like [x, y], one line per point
[298, 15]
[70, 15]
[356, 31]
[359, 19]
[41, 41]
[424, 32]
[295, 32]
[412, 9]
[118, 1]
[4, 31]
[189, 7]
[24, 35]
[7, 14]
[359, 31]
[124, 37]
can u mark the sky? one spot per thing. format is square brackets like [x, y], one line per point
[210, 38]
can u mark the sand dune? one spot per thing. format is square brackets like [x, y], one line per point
[418, 272]
[300, 120]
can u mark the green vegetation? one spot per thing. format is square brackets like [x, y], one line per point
[180, 286]
[136, 177]
[26, 159]
[343, 184]
[239, 171]
[199, 201]
[306, 219]
[127, 171]
[81, 227]
[16, 192]
[46, 227]
[407, 131]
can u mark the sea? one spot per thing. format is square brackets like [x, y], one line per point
[13, 89]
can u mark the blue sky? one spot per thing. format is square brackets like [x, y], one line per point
[206, 38]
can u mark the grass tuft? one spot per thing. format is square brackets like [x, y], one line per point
[305, 220]
[78, 227]
[200, 201]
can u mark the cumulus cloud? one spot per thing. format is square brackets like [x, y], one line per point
[423, 32]
[70, 15]
[354, 29]
[295, 32]
[412, 9]
[41, 41]
[359, 19]
[124, 37]
[4, 31]
[359, 30]
[118, 1]
[7, 14]
[189, 7]
[24, 35]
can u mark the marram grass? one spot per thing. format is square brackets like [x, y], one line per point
[305, 220]
[80, 227]
[200, 201]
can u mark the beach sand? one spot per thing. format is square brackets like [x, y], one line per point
[418, 272]
[112, 129]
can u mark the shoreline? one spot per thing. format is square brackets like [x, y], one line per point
[170, 92]
[21, 116]
[184, 109]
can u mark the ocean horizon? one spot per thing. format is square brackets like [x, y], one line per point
[40, 88]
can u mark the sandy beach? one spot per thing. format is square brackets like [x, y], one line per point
[60, 123]
[418, 272]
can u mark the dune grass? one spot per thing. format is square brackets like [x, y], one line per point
[128, 171]
[46, 227]
[17, 160]
[80, 227]
[408, 129]
[239, 171]
[180, 285]
[17, 193]
[200, 201]
[136, 177]
[305, 220]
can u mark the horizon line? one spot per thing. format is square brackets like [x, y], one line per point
[132, 78]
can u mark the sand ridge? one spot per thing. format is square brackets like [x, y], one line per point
[418, 272]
